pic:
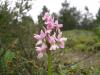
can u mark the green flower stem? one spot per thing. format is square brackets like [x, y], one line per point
[49, 63]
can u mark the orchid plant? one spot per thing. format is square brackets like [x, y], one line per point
[49, 39]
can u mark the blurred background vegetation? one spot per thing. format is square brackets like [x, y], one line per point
[17, 53]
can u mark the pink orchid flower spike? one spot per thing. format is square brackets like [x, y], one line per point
[50, 37]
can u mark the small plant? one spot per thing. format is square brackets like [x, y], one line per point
[49, 39]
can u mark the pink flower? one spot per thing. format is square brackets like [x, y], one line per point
[46, 15]
[50, 25]
[50, 37]
[41, 50]
[54, 47]
[36, 36]
[51, 40]
[49, 21]
[58, 25]
[61, 40]
[40, 36]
